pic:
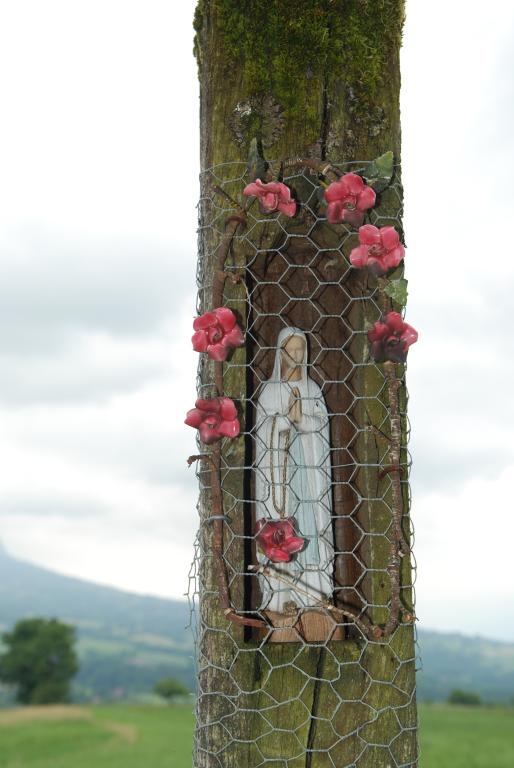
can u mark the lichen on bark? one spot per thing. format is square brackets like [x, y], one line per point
[286, 48]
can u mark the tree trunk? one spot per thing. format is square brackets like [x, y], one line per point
[315, 80]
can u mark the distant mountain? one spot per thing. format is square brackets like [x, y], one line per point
[26, 589]
[471, 663]
[127, 642]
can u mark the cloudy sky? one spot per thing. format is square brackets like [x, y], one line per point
[98, 185]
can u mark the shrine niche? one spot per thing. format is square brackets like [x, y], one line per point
[306, 286]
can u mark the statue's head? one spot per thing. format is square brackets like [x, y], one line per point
[293, 353]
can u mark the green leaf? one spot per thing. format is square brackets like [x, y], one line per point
[397, 290]
[379, 172]
[257, 165]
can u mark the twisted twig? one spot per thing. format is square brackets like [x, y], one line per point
[398, 546]
[319, 166]
[393, 387]
[344, 611]
[217, 518]
[232, 223]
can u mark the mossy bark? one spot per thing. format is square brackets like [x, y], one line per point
[319, 79]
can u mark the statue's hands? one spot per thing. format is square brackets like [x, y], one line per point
[295, 406]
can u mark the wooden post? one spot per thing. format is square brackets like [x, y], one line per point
[319, 80]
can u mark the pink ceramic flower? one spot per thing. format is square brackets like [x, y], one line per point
[217, 333]
[380, 249]
[273, 196]
[348, 198]
[278, 539]
[214, 419]
[391, 338]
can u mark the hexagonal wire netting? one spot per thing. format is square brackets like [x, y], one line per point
[295, 273]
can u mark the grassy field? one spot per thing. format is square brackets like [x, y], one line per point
[96, 737]
[466, 737]
[153, 737]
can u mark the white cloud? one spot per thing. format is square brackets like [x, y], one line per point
[95, 367]
[55, 286]
[134, 553]
[141, 431]
[463, 550]
[100, 111]
[79, 499]
[457, 152]
[85, 487]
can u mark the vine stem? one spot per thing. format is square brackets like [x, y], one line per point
[214, 459]
[344, 611]
[232, 224]
[398, 546]
[393, 388]
[319, 166]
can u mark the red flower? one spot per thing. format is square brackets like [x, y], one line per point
[391, 338]
[277, 539]
[214, 419]
[347, 199]
[216, 333]
[380, 249]
[273, 196]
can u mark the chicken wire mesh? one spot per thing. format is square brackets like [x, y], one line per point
[313, 687]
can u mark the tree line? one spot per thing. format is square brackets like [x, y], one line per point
[40, 661]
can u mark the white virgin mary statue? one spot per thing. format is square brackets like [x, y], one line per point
[293, 477]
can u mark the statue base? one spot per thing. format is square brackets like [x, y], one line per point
[310, 625]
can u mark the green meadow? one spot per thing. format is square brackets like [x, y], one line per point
[96, 737]
[466, 737]
[123, 736]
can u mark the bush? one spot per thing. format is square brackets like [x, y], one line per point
[40, 660]
[467, 698]
[170, 689]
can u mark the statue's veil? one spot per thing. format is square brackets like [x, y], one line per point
[283, 336]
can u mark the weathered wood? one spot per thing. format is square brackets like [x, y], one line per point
[318, 78]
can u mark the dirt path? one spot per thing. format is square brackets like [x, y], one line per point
[52, 712]
[47, 712]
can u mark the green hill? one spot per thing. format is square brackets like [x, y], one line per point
[470, 663]
[127, 642]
